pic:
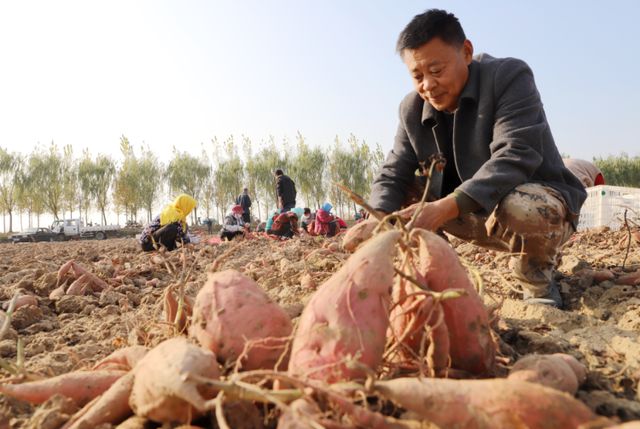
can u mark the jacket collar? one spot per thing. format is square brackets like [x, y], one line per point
[469, 92]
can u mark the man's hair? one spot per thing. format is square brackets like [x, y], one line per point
[428, 25]
[245, 190]
[307, 210]
[279, 172]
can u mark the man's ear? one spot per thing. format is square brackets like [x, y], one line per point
[467, 49]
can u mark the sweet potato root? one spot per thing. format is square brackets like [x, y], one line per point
[81, 386]
[122, 359]
[472, 348]
[485, 404]
[341, 331]
[171, 307]
[162, 390]
[547, 370]
[111, 407]
[231, 310]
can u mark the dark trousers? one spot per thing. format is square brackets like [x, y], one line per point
[165, 236]
[229, 235]
[287, 207]
[246, 217]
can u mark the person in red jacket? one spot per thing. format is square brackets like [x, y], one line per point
[326, 223]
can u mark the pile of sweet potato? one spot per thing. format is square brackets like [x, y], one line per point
[401, 305]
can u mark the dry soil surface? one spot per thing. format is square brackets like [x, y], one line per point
[600, 325]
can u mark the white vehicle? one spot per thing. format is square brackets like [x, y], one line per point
[70, 228]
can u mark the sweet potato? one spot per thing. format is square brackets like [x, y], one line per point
[81, 386]
[578, 368]
[629, 279]
[412, 317]
[347, 317]
[485, 404]
[547, 370]
[122, 359]
[358, 234]
[472, 348]
[231, 310]
[162, 390]
[111, 407]
[22, 301]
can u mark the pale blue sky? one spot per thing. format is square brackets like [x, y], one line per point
[181, 72]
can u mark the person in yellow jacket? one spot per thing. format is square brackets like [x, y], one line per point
[170, 226]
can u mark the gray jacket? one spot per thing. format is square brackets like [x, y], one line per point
[501, 139]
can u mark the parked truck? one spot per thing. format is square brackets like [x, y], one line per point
[75, 228]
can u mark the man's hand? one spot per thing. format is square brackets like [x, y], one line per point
[434, 214]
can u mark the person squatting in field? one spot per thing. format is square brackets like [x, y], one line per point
[234, 223]
[307, 218]
[326, 223]
[170, 226]
[285, 225]
[504, 185]
[585, 171]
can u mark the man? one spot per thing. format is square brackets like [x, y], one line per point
[245, 202]
[504, 185]
[585, 171]
[286, 191]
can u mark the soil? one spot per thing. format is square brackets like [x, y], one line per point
[600, 325]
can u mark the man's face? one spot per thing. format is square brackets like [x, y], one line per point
[439, 71]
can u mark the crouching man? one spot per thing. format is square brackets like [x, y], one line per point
[504, 185]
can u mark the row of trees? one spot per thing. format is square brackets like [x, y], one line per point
[54, 181]
[620, 170]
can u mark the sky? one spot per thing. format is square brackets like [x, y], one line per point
[179, 73]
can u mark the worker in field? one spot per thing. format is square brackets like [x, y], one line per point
[234, 224]
[585, 171]
[504, 185]
[170, 227]
[245, 201]
[285, 191]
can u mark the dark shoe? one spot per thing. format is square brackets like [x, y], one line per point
[552, 298]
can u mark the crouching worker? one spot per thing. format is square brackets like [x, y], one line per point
[285, 225]
[504, 185]
[326, 223]
[170, 227]
[234, 224]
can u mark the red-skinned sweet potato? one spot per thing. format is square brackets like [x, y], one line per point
[578, 368]
[162, 390]
[414, 316]
[81, 386]
[122, 359]
[230, 310]
[358, 234]
[472, 348]
[547, 370]
[347, 317]
[485, 404]
[111, 407]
